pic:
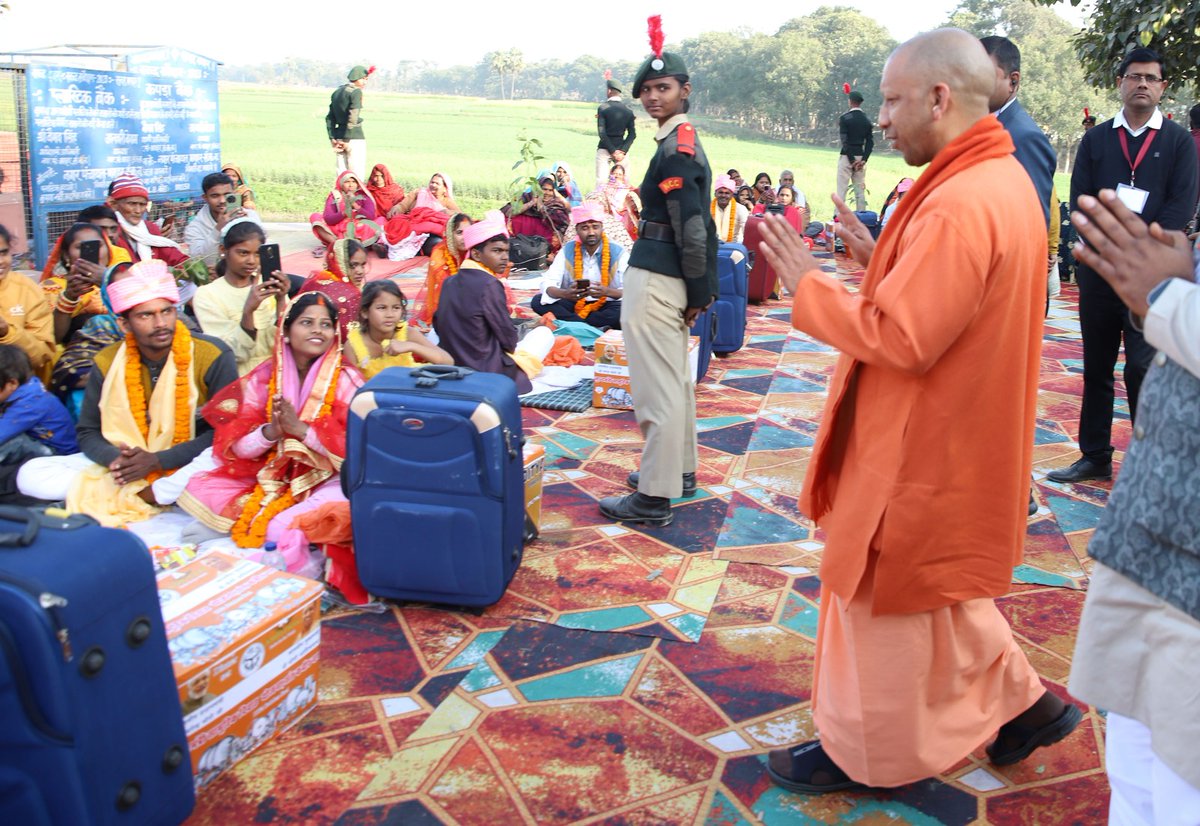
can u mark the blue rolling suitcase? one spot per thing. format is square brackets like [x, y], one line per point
[731, 303]
[705, 327]
[91, 730]
[434, 475]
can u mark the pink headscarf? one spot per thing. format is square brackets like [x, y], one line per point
[145, 281]
[493, 224]
[587, 211]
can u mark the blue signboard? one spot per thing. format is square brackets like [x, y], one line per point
[87, 127]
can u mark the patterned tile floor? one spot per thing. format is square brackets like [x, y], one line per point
[639, 676]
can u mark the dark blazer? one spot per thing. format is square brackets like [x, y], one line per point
[616, 124]
[1034, 151]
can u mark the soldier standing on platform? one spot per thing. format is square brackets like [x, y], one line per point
[615, 123]
[671, 279]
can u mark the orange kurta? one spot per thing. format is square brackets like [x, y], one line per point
[927, 438]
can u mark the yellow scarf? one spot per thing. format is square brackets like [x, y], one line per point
[94, 491]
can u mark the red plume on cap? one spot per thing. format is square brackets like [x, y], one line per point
[845, 88]
[370, 70]
[608, 74]
[1170, 116]
[1086, 113]
[656, 34]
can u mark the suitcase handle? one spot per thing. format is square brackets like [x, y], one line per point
[17, 539]
[430, 374]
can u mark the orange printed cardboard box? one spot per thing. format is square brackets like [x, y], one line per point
[244, 641]
[610, 386]
[535, 468]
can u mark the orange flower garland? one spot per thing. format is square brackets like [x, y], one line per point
[181, 354]
[250, 529]
[583, 307]
[729, 234]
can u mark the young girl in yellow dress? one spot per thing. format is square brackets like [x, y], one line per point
[383, 337]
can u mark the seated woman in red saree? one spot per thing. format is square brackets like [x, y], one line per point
[387, 193]
[346, 268]
[546, 214]
[280, 437]
[347, 204]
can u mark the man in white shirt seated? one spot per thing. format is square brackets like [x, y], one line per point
[203, 233]
[729, 216]
[584, 281]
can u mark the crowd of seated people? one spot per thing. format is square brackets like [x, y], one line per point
[127, 384]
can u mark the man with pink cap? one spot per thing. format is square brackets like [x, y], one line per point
[139, 425]
[583, 282]
[472, 321]
[729, 216]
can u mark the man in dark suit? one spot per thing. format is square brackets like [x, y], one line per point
[1034, 151]
[1151, 163]
[616, 124]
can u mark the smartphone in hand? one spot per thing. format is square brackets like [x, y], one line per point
[582, 284]
[232, 203]
[269, 260]
[90, 251]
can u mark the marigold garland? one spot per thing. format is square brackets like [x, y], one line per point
[250, 529]
[729, 234]
[583, 307]
[181, 354]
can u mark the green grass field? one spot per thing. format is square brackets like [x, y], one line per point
[277, 136]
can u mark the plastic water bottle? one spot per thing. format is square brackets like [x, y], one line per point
[273, 558]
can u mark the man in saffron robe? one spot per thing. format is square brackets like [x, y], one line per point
[920, 473]
[139, 426]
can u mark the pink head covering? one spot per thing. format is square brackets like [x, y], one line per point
[905, 185]
[587, 211]
[127, 185]
[493, 224]
[724, 182]
[145, 281]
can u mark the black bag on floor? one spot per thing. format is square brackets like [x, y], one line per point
[91, 730]
[528, 252]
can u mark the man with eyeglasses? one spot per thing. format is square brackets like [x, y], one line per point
[1151, 163]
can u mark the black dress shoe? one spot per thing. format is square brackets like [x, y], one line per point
[689, 483]
[1081, 471]
[636, 507]
[1033, 506]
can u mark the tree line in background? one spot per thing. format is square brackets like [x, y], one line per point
[788, 85]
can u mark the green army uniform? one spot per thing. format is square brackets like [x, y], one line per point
[343, 123]
[673, 267]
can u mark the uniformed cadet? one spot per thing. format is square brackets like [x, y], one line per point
[856, 131]
[671, 279]
[615, 123]
[343, 123]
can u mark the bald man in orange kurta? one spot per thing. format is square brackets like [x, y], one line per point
[920, 472]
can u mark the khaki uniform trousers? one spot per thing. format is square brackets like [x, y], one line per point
[354, 159]
[660, 378]
[846, 176]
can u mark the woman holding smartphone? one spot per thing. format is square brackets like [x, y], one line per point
[71, 279]
[241, 306]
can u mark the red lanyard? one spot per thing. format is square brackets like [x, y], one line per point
[1133, 164]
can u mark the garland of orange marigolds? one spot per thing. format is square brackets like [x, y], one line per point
[181, 354]
[712, 207]
[583, 307]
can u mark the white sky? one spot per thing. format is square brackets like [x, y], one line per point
[384, 33]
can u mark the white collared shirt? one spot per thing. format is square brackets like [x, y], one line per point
[1155, 122]
[721, 219]
[561, 272]
[1010, 102]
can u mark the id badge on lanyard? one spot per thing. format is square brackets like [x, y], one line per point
[1131, 196]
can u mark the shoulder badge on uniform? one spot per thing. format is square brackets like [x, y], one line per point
[686, 136]
[669, 184]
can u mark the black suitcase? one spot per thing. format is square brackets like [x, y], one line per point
[91, 731]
